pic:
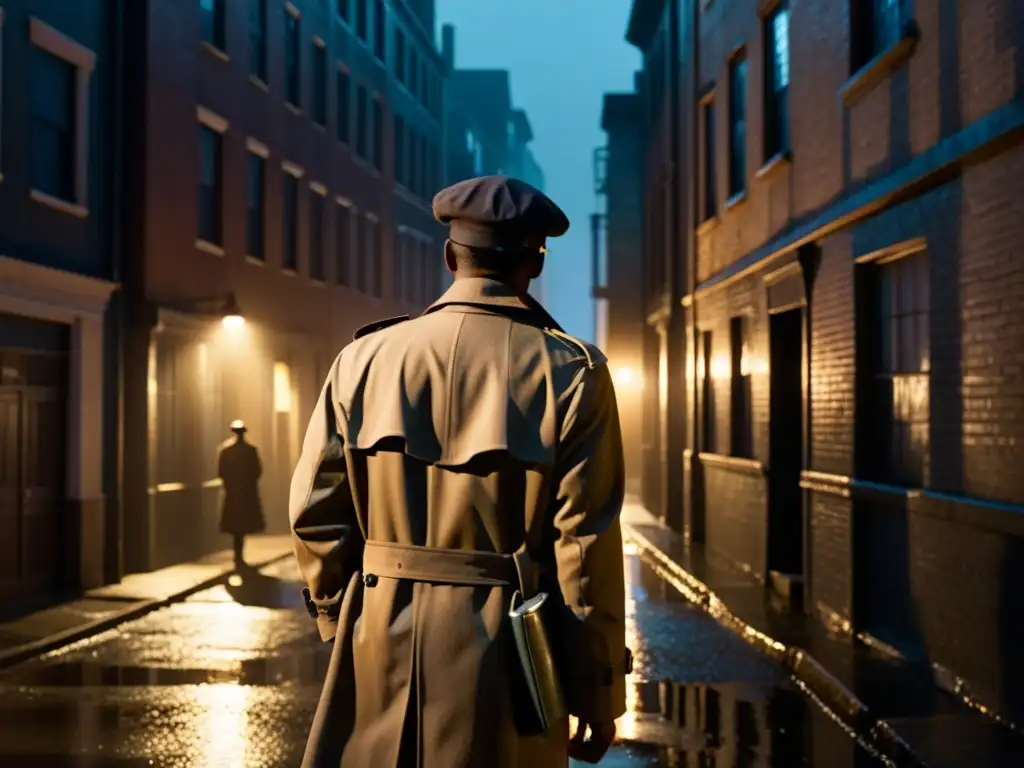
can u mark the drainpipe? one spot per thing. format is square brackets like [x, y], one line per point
[113, 560]
[697, 511]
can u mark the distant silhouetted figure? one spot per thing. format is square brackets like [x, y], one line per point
[239, 468]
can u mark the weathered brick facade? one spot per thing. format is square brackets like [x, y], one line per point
[374, 165]
[911, 158]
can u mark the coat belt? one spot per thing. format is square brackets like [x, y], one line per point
[463, 567]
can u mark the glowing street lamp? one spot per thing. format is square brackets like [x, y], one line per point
[626, 377]
[232, 318]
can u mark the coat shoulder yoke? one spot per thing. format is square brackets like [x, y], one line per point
[589, 352]
[378, 325]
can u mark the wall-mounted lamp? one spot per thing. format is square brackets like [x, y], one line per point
[231, 316]
[626, 377]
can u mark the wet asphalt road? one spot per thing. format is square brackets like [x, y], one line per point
[230, 679]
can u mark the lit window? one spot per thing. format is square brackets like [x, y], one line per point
[776, 82]
[212, 16]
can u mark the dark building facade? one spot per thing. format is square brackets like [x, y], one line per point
[856, 360]
[484, 133]
[280, 159]
[618, 273]
[58, 269]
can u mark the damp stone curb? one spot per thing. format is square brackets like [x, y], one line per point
[30, 650]
[807, 671]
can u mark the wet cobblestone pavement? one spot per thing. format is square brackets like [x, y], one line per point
[230, 679]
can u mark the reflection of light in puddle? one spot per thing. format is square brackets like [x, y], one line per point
[222, 729]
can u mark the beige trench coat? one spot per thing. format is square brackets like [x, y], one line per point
[477, 426]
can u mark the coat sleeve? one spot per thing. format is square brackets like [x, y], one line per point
[590, 484]
[324, 525]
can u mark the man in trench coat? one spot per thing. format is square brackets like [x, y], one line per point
[439, 447]
[240, 469]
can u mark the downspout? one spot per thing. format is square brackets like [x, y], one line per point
[697, 515]
[114, 539]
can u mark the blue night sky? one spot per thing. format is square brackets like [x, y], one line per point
[563, 55]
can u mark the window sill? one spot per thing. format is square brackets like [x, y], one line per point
[293, 108]
[707, 225]
[214, 51]
[735, 200]
[320, 127]
[777, 162]
[260, 83]
[289, 271]
[880, 67]
[207, 247]
[255, 260]
[317, 282]
[64, 206]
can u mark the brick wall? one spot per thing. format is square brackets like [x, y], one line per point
[934, 573]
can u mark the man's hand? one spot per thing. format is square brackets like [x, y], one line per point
[591, 750]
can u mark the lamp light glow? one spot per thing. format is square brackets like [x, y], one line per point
[232, 322]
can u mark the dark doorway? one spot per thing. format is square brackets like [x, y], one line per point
[34, 547]
[785, 510]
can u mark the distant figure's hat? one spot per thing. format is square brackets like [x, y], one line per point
[499, 213]
[238, 426]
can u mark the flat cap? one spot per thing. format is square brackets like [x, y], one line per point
[498, 213]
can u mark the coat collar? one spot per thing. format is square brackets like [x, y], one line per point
[495, 296]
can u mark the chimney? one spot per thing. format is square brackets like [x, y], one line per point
[448, 46]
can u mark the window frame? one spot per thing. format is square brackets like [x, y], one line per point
[866, 42]
[317, 256]
[343, 275]
[258, 43]
[886, 441]
[296, 174]
[256, 149]
[775, 100]
[378, 117]
[208, 120]
[343, 106]
[708, 157]
[738, 160]
[46, 38]
[219, 33]
[319, 108]
[292, 82]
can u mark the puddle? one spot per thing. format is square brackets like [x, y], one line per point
[308, 667]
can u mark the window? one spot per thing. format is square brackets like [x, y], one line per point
[378, 135]
[710, 193]
[413, 72]
[377, 285]
[361, 117]
[737, 126]
[368, 258]
[256, 205]
[293, 84]
[414, 149]
[319, 82]
[421, 171]
[212, 20]
[877, 25]
[210, 185]
[742, 443]
[59, 99]
[343, 98]
[776, 81]
[344, 9]
[398, 273]
[361, 20]
[317, 265]
[343, 244]
[290, 222]
[399, 54]
[258, 39]
[707, 394]
[54, 135]
[379, 29]
[900, 400]
[358, 264]
[399, 139]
